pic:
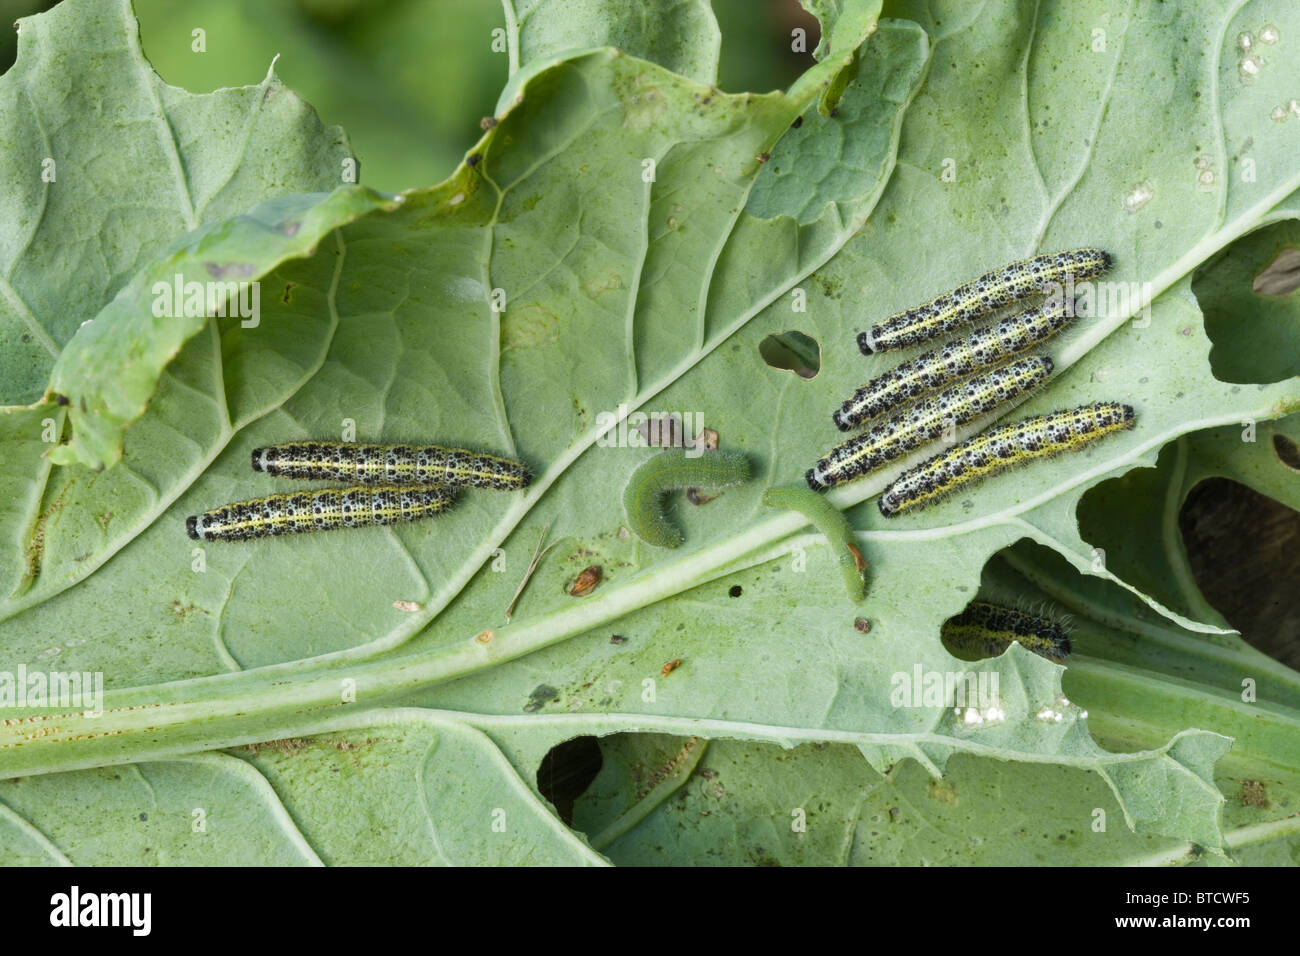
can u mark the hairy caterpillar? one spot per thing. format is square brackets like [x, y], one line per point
[934, 369]
[990, 629]
[925, 421]
[669, 471]
[319, 510]
[999, 448]
[834, 526]
[978, 298]
[390, 464]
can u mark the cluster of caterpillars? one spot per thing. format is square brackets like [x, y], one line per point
[916, 402]
[387, 484]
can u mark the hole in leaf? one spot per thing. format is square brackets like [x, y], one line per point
[1281, 277]
[567, 771]
[736, 590]
[984, 628]
[1252, 314]
[1241, 550]
[760, 50]
[1287, 451]
[793, 351]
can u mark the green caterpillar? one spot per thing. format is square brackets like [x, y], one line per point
[833, 525]
[670, 471]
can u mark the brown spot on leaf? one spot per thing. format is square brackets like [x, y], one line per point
[586, 581]
[943, 793]
[287, 745]
[181, 610]
[35, 553]
[1253, 794]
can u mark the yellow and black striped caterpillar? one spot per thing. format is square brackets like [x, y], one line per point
[1000, 448]
[936, 368]
[390, 464]
[982, 296]
[926, 420]
[990, 629]
[320, 510]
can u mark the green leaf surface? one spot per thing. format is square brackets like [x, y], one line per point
[297, 801]
[680, 35]
[551, 287]
[821, 804]
[490, 398]
[104, 176]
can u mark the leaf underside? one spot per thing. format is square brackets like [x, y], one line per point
[623, 240]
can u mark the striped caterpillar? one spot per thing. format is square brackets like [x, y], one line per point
[390, 464]
[1000, 448]
[982, 296]
[926, 420]
[934, 369]
[319, 510]
[990, 628]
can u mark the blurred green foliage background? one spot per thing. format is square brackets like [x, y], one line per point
[408, 79]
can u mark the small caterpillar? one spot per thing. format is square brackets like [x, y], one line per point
[925, 421]
[990, 629]
[978, 298]
[997, 449]
[834, 526]
[936, 368]
[389, 464]
[319, 510]
[669, 471]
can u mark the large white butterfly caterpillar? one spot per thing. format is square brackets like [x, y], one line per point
[670, 471]
[833, 524]
[390, 464]
[986, 294]
[990, 628]
[319, 510]
[926, 420]
[935, 369]
[1000, 448]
